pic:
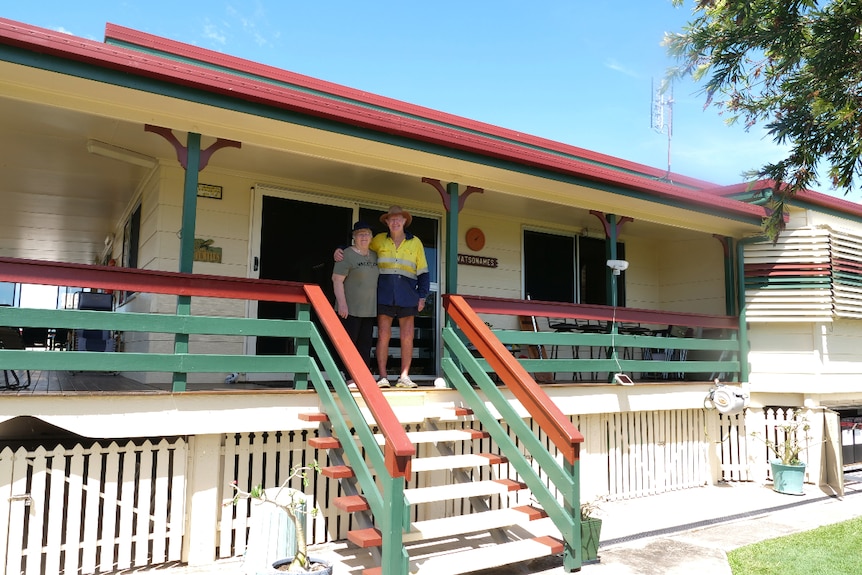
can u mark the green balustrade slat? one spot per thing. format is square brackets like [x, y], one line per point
[565, 484]
[342, 411]
[155, 323]
[620, 341]
[112, 361]
[604, 364]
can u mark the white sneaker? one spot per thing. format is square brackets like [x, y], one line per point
[406, 382]
[351, 384]
[382, 383]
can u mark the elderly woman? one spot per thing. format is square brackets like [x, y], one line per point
[354, 280]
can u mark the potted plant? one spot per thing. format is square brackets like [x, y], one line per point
[591, 530]
[790, 438]
[293, 503]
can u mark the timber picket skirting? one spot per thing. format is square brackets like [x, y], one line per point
[92, 509]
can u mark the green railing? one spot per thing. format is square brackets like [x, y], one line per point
[488, 357]
[380, 472]
[565, 475]
[646, 345]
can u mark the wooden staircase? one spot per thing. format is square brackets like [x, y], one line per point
[479, 522]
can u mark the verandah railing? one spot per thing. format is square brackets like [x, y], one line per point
[380, 472]
[388, 467]
[564, 476]
[593, 342]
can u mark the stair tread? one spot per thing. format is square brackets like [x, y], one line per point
[316, 416]
[487, 557]
[460, 524]
[351, 503]
[369, 537]
[324, 442]
[439, 435]
[336, 471]
[460, 490]
[455, 461]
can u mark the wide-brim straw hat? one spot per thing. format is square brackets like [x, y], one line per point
[397, 211]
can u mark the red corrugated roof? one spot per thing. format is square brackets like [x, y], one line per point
[235, 77]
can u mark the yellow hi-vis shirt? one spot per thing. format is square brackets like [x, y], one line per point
[404, 276]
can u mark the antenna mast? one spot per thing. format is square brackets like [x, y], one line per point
[661, 115]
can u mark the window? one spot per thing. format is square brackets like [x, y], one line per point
[549, 269]
[131, 238]
[9, 294]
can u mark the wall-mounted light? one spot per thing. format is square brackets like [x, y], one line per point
[618, 266]
[117, 153]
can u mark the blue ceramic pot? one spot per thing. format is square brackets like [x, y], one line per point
[787, 478]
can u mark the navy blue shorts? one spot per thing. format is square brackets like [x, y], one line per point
[397, 311]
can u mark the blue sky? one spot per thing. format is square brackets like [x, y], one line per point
[570, 70]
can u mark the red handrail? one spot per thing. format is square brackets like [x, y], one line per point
[150, 281]
[544, 411]
[399, 450]
[481, 304]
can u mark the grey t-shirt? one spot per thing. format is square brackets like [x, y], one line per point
[360, 282]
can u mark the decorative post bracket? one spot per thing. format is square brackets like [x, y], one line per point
[444, 195]
[183, 152]
[606, 225]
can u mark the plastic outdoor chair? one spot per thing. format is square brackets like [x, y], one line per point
[10, 338]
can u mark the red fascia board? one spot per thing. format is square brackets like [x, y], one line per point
[831, 202]
[163, 69]
[156, 43]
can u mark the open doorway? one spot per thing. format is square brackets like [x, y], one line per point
[296, 242]
[293, 237]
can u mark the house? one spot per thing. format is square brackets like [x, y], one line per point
[206, 193]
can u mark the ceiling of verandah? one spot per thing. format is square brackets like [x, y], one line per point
[59, 200]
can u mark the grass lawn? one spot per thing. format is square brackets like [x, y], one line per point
[830, 550]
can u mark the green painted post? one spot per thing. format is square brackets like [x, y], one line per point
[452, 239]
[612, 284]
[187, 244]
[451, 251]
[393, 560]
[743, 323]
[729, 279]
[303, 313]
[611, 251]
[573, 554]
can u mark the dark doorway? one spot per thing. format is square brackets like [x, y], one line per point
[296, 243]
[549, 267]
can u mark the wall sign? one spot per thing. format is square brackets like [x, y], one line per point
[209, 191]
[205, 252]
[480, 261]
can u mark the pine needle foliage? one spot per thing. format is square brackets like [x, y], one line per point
[794, 66]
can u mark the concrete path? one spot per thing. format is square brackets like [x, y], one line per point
[681, 532]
